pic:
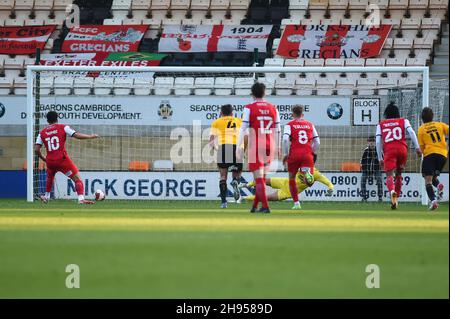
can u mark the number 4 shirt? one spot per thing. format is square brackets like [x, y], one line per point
[432, 138]
[53, 137]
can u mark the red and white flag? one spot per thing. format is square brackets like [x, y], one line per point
[214, 38]
[104, 38]
[24, 40]
[332, 41]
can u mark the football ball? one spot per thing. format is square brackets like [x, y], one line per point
[99, 195]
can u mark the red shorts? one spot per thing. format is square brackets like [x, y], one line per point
[395, 159]
[298, 162]
[259, 159]
[65, 166]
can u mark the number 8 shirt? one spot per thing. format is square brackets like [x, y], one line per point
[54, 137]
[301, 134]
[394, 147]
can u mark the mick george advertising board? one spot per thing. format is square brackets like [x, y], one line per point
[205, 186]
[169, 111]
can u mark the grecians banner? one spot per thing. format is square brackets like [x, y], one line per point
[214, 38]
[104, 38]
[332, 41]
[103, 59]
[169, 110]
[205, 186]
[24, 40]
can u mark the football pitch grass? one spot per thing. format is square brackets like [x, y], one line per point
[192, 249]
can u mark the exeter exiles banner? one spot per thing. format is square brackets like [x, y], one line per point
[332, 41]
[205, 185]
[214, 38]
[169, 110]
[103, 59]
[24, 40]
[104, 38]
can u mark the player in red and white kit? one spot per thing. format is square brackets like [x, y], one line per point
[54, 137]
[300, 143]
[392, 149]
[262, 121]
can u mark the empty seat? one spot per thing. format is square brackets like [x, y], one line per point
[294, 62]
[200, 4]
[398, 4]
[223, 85]
[103, 85]
[46, 85]
[418, 4]
[219, 4]
[403, 43]
[350, 167]
[358, 4]
[6, 84]
[140, 4]
[284, 86]
[6, 5]
[23, 5]
[410, 23]
[338, 4]
[139, 166]
[163, 85]
[431, 23]
[438, 4]
[160, 4]
[203, 86]
[183, 85]
[163, 165]
[82, 86]
[122, 86]
[416, 62]
[63, 85]
[354, 62]
[43, 5]
[304, 86]
[314, 62]
[366, 86]
[298, 4]
[143, 86]
[395, 62]
[375, 62]
[334, 62]
[242, 86]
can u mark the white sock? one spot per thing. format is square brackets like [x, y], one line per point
[80, 198]
[297, 203]
[47, 195]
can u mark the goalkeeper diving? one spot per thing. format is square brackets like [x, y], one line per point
[281, 184]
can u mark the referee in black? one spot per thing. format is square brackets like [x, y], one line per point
[370, 167]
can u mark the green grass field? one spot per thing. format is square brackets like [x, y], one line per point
[182, 249]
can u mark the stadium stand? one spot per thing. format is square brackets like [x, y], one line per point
[419, 37]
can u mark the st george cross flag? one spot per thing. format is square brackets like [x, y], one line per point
[332, 41]
[214, 38]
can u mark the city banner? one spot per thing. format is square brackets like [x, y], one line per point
[214, 38]
[332, 41]
[103, 59]
[24, 40]
[104, 38]
[169, 110]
